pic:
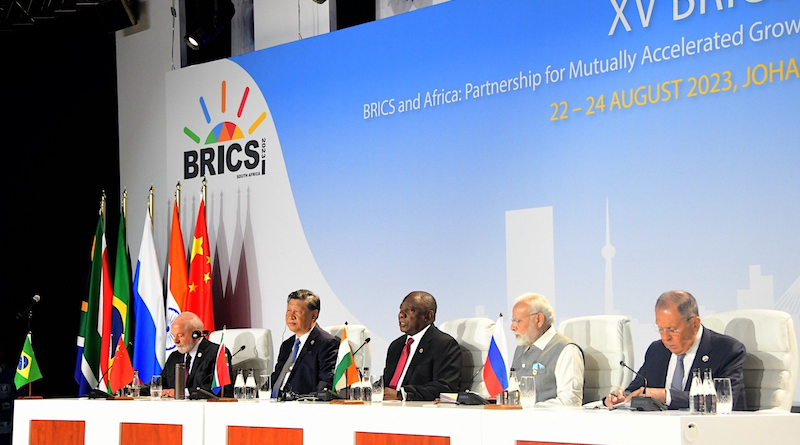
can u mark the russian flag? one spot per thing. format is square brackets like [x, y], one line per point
[150, 325]
[495, 370]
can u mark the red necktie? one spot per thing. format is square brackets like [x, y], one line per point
[188, 365]
[401, 364]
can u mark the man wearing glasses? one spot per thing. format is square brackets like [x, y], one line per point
[685, 345]
[553, 359]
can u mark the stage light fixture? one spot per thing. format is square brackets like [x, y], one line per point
[211, 17]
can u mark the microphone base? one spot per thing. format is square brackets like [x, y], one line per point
[99, 394]
[647, 404]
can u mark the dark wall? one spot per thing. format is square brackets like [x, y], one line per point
[61, 150]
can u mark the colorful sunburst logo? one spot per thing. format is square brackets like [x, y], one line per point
[225, 131]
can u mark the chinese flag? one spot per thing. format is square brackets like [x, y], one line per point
[122, 370]
[198, 299]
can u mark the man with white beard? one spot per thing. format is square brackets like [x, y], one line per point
[198, 355]
[553, 359]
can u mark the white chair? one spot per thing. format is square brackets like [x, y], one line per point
[356, 334]
[474, 335]
[257, 352]
[605, 340]
[770, 369]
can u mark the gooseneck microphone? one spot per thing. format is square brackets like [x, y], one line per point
[360, 375]
[28, 308]
[238, 351]
[644, 391]
[644, 402]
[362, 345]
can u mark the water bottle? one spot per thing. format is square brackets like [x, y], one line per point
[238, 385]
[696, 393]
[709, 392]
[366, 386]
[513, 389]
[136, 384]
[250, 386]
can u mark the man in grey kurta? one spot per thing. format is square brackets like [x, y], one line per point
[553, 359]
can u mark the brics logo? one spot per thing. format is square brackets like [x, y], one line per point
[227, 146]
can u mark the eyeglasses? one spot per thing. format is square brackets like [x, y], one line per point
[673, 331]
[668, 331]
[519, 320]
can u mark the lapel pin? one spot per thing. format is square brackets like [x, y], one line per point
[312, 342]
[705, 358]
[199, 354]
[421, 350]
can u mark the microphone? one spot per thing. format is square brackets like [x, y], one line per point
[208, 393]
[360, 376]
[238, 351]
[362, 345]
[96, 392]
[644, 391]
[644, 402]
[28, 308]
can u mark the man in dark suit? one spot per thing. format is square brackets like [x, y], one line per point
[307, 359]
[685, 345]
[424, 361]
[198, 354]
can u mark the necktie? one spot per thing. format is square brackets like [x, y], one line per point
[295, 350]
[401, 365]
[278, 383]
[677, 377]
[188, 365]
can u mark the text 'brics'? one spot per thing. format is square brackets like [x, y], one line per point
[627, 12]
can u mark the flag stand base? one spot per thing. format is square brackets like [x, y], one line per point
[346, 402]
[222, 399]
[30, 398]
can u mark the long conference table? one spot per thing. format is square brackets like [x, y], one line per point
[189, 422]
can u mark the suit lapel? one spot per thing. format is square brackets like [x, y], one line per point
[310, 342]
[701, 359]
[419, 350]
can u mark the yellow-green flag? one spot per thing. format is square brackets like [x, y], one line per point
[27, 369]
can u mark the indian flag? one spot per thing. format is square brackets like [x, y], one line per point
[221, 375]
[346, 373]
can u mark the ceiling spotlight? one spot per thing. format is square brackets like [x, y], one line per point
[210, 19]
[319, 1]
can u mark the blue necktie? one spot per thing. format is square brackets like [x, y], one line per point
[677, 378]
[278, 384]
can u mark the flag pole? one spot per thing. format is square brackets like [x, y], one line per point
[203, 189]
[150, 202]
[103, 209]
[178, 198]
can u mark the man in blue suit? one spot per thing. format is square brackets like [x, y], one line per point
[685, 345]
[307, 359]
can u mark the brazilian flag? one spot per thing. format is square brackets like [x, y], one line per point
[27, 369]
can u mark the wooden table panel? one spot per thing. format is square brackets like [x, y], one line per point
[252, 435]
[57, 432]
[399, 439]
[150, 434]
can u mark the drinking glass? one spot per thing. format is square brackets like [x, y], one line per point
[264, 387]
[155, 387]
[377, 388]
[724, 395]
[527, 391]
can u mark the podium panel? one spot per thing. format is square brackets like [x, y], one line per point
[57, 432]
[255, 435]
[150, 434]
[399, 439]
